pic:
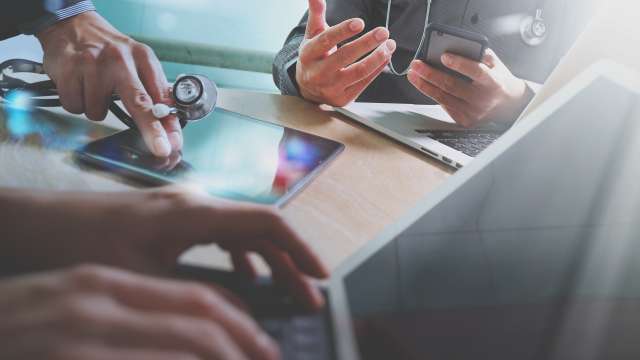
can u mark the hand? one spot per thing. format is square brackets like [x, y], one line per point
[89, 60]
[93, 312]
[494, 94]
[147, 232]
[337, 76]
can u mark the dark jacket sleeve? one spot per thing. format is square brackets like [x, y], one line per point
[30, 16]
[285, 61]
[17, 12]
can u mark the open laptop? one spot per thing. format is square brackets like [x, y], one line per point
[426, 128]
[530, 252]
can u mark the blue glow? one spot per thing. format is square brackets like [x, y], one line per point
[300, 152]
[19, 121]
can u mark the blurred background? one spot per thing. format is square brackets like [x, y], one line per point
[238, 38]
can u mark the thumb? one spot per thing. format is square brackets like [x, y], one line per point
[316, 23]
[491, 59]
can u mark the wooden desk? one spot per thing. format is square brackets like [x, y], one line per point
[369, 186]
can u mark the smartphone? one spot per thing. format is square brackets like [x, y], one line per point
[443, 38]
[225, 154]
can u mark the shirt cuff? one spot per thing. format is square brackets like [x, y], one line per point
[290, 83]
[67, 10]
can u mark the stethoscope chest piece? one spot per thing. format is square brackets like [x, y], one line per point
[195, 96]
[534, 30]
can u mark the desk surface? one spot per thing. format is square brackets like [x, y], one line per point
[369, 186]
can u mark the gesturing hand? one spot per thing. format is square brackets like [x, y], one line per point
[148, 231]
[89, 60]
[494, 93]
[337, 76]
[94, 312]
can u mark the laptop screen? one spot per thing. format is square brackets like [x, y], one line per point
[535, 256]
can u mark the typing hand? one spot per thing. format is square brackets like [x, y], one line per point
[494, 93]
[89, 60]
[337, 76]
[146, 231]
[92, 312]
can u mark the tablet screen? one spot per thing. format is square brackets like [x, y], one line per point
[226, 154]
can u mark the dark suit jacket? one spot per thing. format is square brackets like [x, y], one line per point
[499, 20]
[17, 16]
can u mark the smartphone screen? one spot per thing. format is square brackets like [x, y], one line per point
[226, 154]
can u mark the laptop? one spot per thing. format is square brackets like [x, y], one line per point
[429, 129]
[426, 128]
[530, 252]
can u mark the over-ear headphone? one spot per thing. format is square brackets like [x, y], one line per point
[534, 30]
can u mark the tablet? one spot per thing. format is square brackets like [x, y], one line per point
[225, 154]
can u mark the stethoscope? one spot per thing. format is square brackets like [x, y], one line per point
[195, 96]
[533, 31]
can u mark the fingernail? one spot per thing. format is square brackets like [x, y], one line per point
[446, 59]
[381, 34]
[161, 146]
[176, 140]
[391, 45]
[355, 25]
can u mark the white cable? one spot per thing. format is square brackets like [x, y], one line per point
[424, 35]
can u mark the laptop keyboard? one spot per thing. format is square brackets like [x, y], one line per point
[468, 142]
[302, 337]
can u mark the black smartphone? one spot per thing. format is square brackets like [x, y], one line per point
[225, 154]
[448, 39]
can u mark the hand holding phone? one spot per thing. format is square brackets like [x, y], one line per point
[459, 71]
[443, 39]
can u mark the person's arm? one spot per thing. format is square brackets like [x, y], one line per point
[89, 60]
[92, 312]
[147, 231]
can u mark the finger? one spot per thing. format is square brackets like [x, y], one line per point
[153, 78]
[192, 300]
[441, 97]
[138, 102]
[353, 91]
[316, 22]
[102, 352]
[353, 51]
[474, 70]
[98, 89]
[71, 92]
[161, 331]
[490, 58]
[287, 275]
[446, 82]
[242, 264]
[245, 228]
[368, 66]
[319, 46]
[97, 95]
